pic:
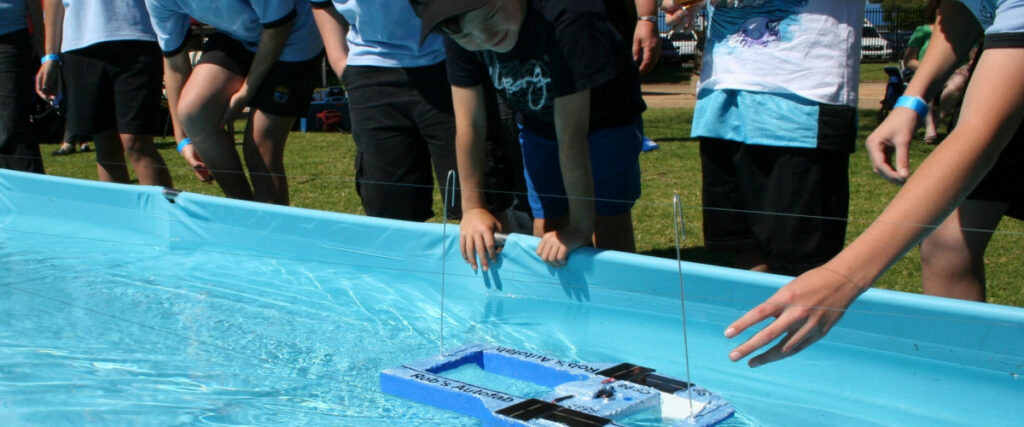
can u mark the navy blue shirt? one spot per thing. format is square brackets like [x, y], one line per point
[564, 47]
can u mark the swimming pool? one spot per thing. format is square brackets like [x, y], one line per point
[120, 306]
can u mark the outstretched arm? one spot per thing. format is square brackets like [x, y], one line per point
[806, 308]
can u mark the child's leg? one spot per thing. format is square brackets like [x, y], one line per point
[136, 85]
[952, 257]
[110, 162]
[265, 137]
[147, 162]
[201, 107]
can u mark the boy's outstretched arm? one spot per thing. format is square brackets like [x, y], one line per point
[476, 231]
[806, 308]
[572, 123]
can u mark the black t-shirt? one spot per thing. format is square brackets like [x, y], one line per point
[564, 47]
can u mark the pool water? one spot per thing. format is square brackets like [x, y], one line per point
[105, 321]
[113, 333]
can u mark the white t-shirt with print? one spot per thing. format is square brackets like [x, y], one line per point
[810, 48]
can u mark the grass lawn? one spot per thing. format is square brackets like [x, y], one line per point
[875, 71]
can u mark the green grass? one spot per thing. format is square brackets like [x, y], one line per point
[320, 166]
[874, 71]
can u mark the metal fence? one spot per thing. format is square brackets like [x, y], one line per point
[897, 24]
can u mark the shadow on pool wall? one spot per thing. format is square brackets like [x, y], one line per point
[895, 358]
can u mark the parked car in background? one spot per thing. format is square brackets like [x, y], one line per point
[874, 47]
[669, 54]
[685, 43]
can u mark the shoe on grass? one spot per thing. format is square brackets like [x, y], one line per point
[64, 150]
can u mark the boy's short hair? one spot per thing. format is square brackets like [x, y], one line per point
[442, 15]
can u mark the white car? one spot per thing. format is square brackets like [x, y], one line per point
[873, 47]
[685, 43]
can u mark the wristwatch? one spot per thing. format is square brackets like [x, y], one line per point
[648, 18]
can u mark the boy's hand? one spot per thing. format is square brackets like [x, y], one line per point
[476, 237]
[891, 137]
[555, 246]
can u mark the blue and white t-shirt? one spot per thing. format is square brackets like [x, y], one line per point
[385, 33]
[242, 20]
[1003, 21]
[13, 16]
[87, 22]
[781, 73]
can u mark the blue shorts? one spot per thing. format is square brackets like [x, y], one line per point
[614, 161]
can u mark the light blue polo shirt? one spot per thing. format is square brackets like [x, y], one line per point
[242, 20]
[13, 16]
[87, 22]
[1003, 21]
[386, 33]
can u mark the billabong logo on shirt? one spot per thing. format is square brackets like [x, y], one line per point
[523, 83]
[281, 94]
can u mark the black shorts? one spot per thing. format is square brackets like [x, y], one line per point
[404, 129]
[114, 85]
[788, 203]
[288, 87]
[1005, 181]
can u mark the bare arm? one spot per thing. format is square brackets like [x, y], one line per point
[333, 30]
[806, 308]
[272, 41]
[646, 40]
[953, 35]
[48, 76]
[176, 72]
[572, 124]
[910, 60]
[476, 231]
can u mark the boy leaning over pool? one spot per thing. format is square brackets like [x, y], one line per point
[572, 80]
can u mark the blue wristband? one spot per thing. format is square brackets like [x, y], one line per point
[183, 143]
[49, 57]
[914, 103]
